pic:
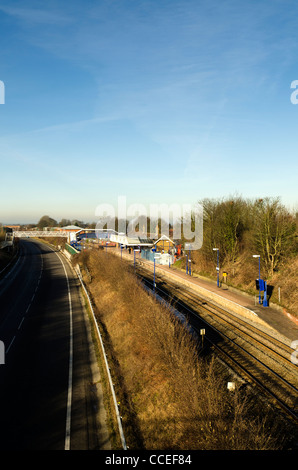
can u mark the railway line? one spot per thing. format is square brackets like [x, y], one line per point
[257, 356]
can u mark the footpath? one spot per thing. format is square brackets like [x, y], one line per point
[244, 304]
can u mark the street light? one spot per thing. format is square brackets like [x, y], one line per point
[217, 269]
[188, 258]
[258, 256]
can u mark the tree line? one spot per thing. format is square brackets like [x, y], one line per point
[235, 226]
[47, 221]
[261, 226]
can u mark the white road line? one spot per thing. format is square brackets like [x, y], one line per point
[11, 275]
[70, 367]
[10, 344]
[28, 308]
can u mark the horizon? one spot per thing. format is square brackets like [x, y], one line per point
[292, 210]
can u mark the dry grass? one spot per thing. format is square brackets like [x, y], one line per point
[55, 241]
[170, 397]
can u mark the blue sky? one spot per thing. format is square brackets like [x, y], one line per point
[161, 101]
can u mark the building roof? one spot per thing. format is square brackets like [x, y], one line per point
[164, 238]
[131, 241]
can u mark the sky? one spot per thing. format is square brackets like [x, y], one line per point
[155, 101]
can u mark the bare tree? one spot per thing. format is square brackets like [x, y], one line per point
[224, 224]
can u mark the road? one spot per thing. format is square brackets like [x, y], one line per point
[49, 398]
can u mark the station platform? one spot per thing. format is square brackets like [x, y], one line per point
[276, 317]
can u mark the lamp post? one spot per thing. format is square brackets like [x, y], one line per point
[134, 258]
[258, 256]
[217, 269]
[188, 258]
[154, 251]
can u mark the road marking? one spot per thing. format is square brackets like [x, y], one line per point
[11, 275]
[21, 323]
[10, 344]
[70, 367]
[28, 308]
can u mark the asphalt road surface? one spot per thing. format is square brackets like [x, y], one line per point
[48, 398]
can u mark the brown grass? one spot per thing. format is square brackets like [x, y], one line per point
[55, 241]
[170, 398]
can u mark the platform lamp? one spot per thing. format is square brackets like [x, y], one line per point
[258, 256]
[217, 268]
[188, 258]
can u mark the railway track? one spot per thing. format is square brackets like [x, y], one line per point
[255, 355]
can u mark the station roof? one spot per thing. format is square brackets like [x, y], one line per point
[164, 238]
[131, 241]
